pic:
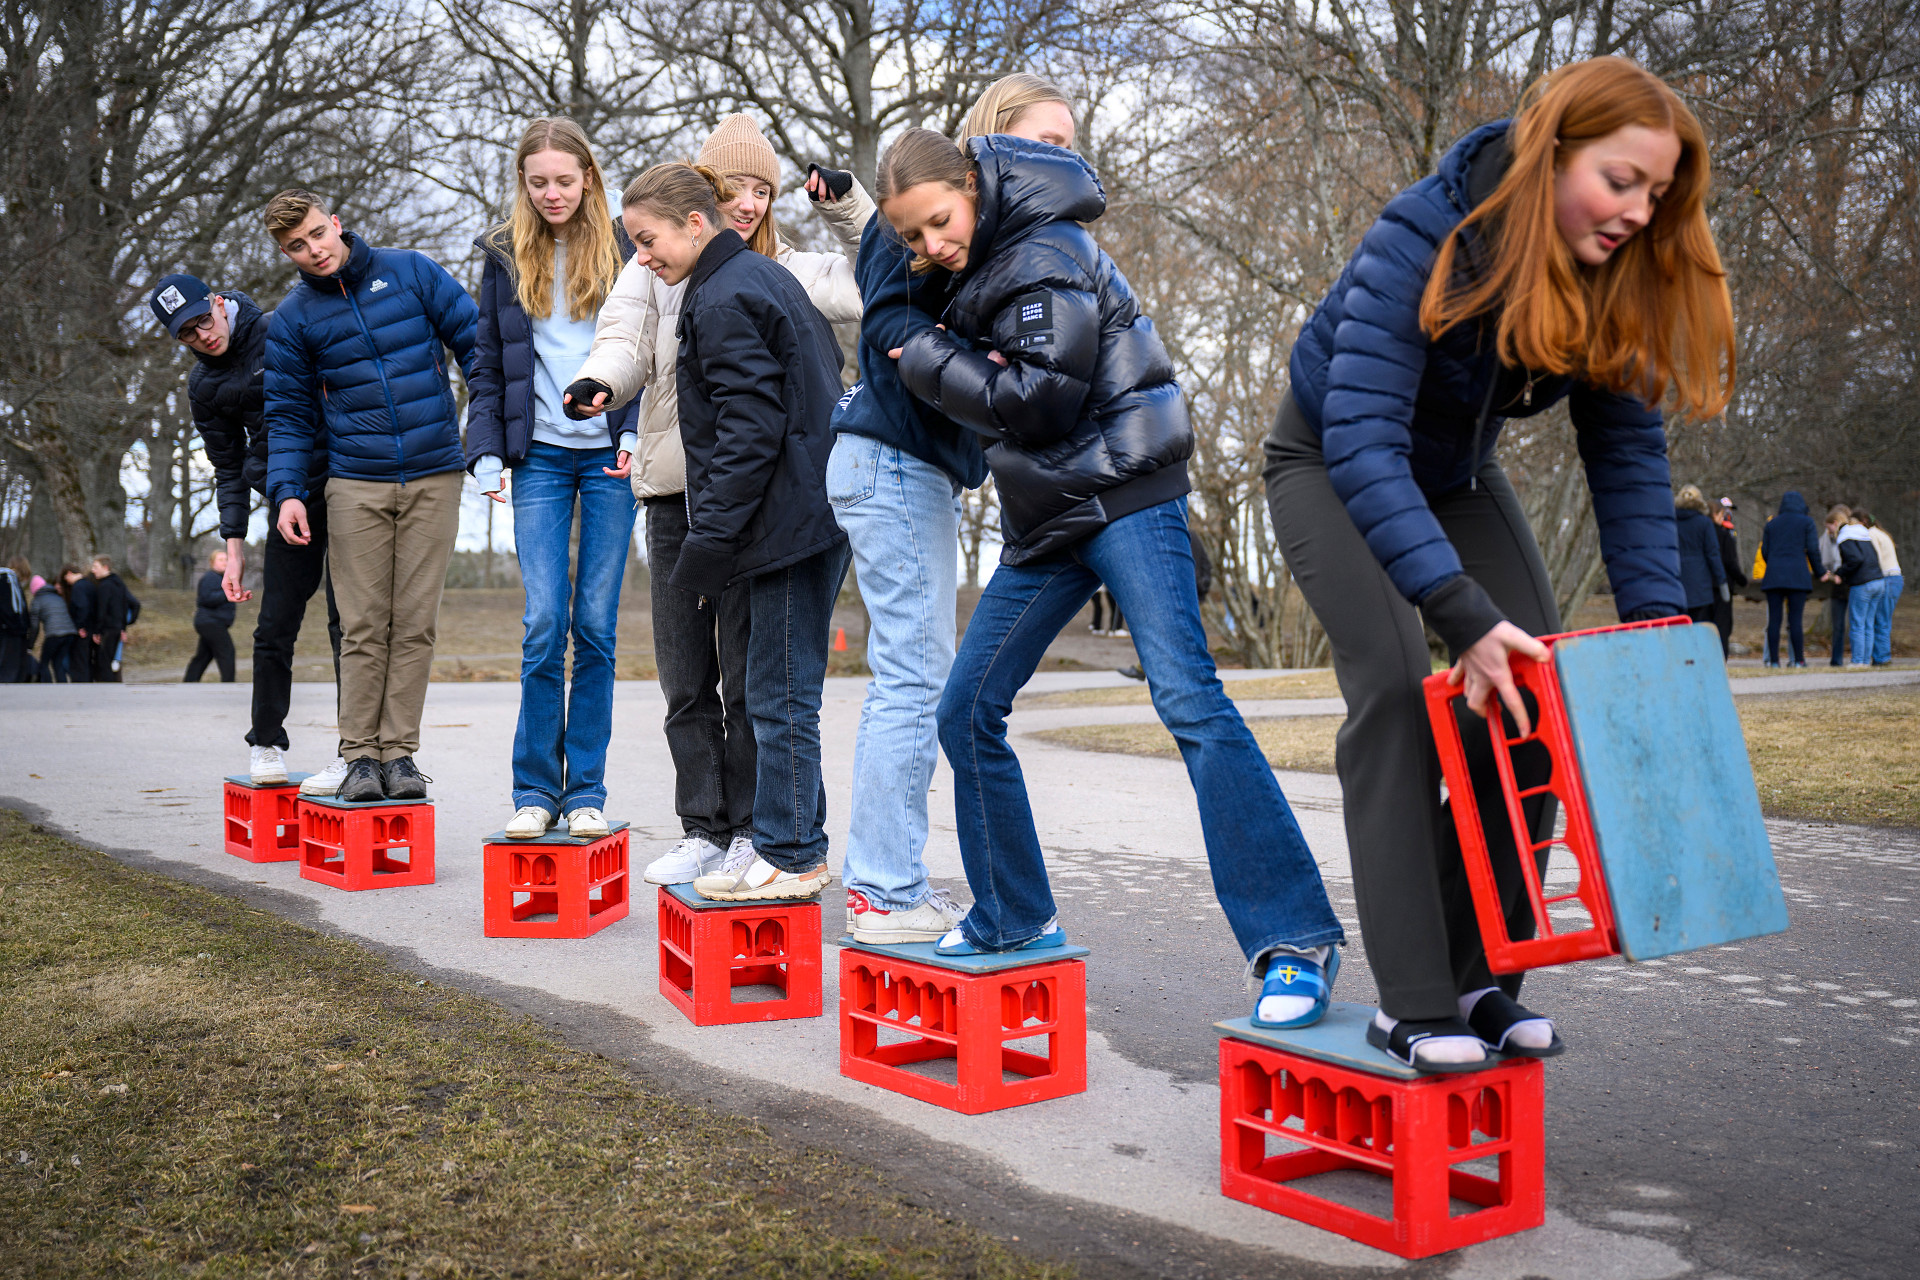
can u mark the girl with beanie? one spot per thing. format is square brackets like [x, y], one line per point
[1564, 254]
[1045, 355]
[895, 479]
[545, 272]
[701, 651]
[756, 378]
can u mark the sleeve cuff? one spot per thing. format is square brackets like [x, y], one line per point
[1651, 613]
[1460, 612]
[629, 443]
[703, 570]
[486, 472]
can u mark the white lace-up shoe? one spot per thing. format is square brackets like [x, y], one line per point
[529, 822]
[927, 921]
[267, 766]
[692, 858]
[586, 824]
[327, 781]
[754, 879]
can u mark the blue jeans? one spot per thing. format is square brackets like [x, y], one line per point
[560, 747]
[1863, 619]
[1262, 873]
[789, 613]
[1890, 588]
[902, 517]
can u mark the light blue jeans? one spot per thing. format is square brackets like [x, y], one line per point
[902, 516]
[560, 747]
[1863, 621]
[1890, 588]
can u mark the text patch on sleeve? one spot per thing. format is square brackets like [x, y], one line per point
[1033, 321]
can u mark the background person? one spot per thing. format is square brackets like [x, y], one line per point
[110, 619]
[1838, 592]
[1731, 565]
[1790, 546]
[1893, 583]
[212, 617]
[59, 635]
[17, 622]
[1703, 572]
[77, 587]
[1859, 572]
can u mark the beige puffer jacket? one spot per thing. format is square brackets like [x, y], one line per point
[636, 344]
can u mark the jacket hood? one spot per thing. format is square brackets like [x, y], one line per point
[1853, 533]
[1024, 185]
[1792, 503]
[359, 258]
[1473, 166]
[246, 316]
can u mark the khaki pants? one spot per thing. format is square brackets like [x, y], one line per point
[387, 549]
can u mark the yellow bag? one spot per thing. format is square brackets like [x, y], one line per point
[1759, 566]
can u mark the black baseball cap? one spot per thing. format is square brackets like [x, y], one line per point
[179, 300]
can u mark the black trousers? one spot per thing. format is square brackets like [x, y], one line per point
[290, 575]
[216, 646]
[56, 652]
[701, 654]
[1793, 603]
[105, 645]
[1838, 624]
[1723, 619]
[1416, 912]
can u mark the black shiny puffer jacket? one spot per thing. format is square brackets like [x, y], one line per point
[1085, 423]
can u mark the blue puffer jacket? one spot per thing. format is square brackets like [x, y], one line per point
[1400, 417]
[363, 347]
[1701, 572]
[1790, 544]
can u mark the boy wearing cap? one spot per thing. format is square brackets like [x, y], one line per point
[356, 356]
[227, 334]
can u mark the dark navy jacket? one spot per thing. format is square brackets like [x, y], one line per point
[1701, 573]
[500, 403]
[357, 359]
[1399, 415]
[1790, 544]
[1085, 422]
[228, 395]
[895, 305]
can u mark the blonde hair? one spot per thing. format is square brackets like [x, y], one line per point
[1656, 316]
[593, 255]
[765, 239]
[679, 190]
[1005, 101]
[289, 209]
[1692, 499]
[921, 155]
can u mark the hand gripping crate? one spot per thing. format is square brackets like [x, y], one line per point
[1463, 1157]
[1662, 819]
[262, 823]
[581, 884]
[375, 844]
[711, 952]
[906, 1006]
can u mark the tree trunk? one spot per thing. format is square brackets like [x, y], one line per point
[161, 504]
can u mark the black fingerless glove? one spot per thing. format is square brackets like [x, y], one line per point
[579, 398]
[837, 181]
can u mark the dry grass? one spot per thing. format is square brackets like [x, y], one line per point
[1305, 684]
[191, 1087]
[1302, 743]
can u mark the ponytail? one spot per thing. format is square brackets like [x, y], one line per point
[678, 191]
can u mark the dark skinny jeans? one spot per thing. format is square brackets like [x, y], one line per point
[1795, 603]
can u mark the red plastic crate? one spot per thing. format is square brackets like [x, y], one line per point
[708, 950]
[381, 844]
[1286, 1116]
[1548, 945]
[582, 884]
[903, 1006]
[262, 823]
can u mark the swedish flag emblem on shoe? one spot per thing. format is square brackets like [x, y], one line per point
[1302, 978]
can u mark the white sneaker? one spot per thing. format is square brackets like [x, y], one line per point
[692, 858]
[327, 781]
[267, 766]
[926, 922]
[757, 880]
[586, 824]
[739, 852]
[529, 822]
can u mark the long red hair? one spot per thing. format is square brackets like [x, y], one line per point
[1656, 317]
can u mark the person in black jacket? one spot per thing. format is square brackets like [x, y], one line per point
[110, 620]
[1703, 576]
[1730, 563]
[212, 616]
[227, 334]
[1046, 356]
[757, 378]
[77, 587]
[1790, 546]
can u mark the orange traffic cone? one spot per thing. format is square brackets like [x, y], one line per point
[839, 639]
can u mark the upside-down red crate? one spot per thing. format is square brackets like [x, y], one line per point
[1662, 820]
[1013, 1025]
[262, 823]
[713, 953]
[580, 884]
[378, 844]
[1463, 1156]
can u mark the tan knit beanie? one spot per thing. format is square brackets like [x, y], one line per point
[738, 146]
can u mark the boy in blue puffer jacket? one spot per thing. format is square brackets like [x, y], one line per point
[355, 353]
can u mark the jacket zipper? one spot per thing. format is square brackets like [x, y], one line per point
[393, 414]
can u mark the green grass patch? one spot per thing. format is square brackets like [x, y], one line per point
[189, 1086]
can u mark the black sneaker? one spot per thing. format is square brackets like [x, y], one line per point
[404, 780]
[363, 782]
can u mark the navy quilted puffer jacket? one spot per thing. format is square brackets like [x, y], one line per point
[1085, 422]
[357, 359]
[1399, 416]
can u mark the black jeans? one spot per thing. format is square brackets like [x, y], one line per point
[1840, 626]
[1795, 603]
[1723, 619]
[216, 646]
[1416, 912]
[289, 577]
[791, 612]
[105, 645]
[701, 657]
[56, 653]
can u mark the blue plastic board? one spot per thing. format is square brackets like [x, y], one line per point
[992, 962]
[1675, 811]
[1339, 1038]
[687, 897]
[335, 802]
[556, 835]
[293, 780]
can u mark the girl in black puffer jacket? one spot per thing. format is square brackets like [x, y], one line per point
[1047, 356]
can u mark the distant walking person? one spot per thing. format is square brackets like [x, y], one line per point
[1837, 603]
[110, 620]
[57, 629]
[1736, 577]
[212, 619]
[1893, 585]
[1790, 545]
[1703, 574]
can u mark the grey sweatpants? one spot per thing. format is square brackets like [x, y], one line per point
[1416, 913]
